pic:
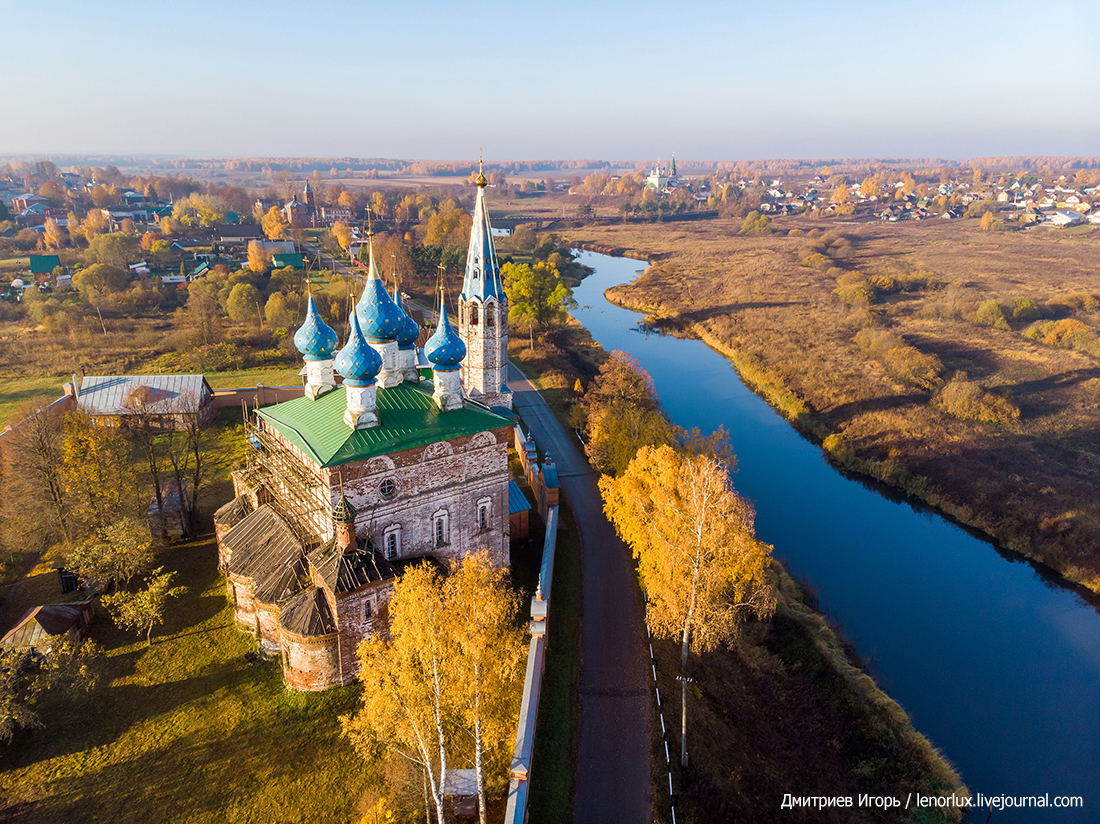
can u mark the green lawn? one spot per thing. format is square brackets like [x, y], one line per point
[185, 730]
[16, 391]
[15, 264]
[244, 378]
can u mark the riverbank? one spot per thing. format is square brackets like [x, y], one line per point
[786, 710]
[1026, 483]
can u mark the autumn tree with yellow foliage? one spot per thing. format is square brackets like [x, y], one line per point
[701, 566]
[274, 224]
[443, 684]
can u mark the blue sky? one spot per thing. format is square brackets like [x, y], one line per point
[610, 80]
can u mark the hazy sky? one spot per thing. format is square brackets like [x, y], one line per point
[569, 79]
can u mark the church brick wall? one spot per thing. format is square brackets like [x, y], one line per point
[450, 479]
[483, 369]
[244, 607]
[267, 622]
[310, 663]
[353, 627]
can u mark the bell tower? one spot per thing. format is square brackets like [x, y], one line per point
[483, 314]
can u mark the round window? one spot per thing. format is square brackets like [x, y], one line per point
[388, 488]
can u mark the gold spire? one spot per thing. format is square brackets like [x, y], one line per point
[480, 179]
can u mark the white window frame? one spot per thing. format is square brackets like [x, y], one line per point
[441, 524]
[392, 533]
[487, 504]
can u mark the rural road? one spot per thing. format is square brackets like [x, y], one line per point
[331, 264]
[613, 758]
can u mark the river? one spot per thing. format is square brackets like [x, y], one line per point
[998, 665]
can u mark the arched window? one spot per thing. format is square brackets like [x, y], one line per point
[489, 315]
[485, 514]
[391, 540]
[473, 314]
[441, 533]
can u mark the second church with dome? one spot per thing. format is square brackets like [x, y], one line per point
[361, 475]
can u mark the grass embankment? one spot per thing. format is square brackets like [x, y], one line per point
[554, 763]
[1030, 482]
[557, 362]
[785, 710]
[186, 729]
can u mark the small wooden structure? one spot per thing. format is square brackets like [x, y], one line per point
[462, 788]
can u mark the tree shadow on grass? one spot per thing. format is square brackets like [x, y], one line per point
[265, 768]
[76, 722]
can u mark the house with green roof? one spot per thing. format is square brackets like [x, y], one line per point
[281, 260]
[375, 467]
[44, 264]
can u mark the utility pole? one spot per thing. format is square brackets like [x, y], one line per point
[684, 681]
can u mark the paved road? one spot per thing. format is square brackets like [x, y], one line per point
[613, 759]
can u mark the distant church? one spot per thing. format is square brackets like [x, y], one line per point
[663, 179]
[350, 483]
[308, 212]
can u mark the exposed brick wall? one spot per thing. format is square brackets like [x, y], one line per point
[484, 367]
[451, 477]
[244, 607]
[267, 620]
[353, 627]
[309, 663]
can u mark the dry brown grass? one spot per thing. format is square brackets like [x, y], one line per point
[1029, 483]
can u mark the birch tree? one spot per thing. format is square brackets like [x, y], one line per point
[701, 566]
[490, 650]
[407, 678]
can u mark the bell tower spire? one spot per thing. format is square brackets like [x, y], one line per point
[483, 312]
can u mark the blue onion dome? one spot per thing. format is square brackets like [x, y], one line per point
[378, 314]
[315, 339]
[357, 362]
[410, 331]
[445, 348]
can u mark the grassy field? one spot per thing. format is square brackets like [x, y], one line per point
[185, 730]
[1029, 483]
[553, 771]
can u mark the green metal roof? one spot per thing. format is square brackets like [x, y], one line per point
[44, 263]
[281, 260]
[410, 418]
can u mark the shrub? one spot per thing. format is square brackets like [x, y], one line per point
[817, 261]
[1025, 310]
[990, 313]
[854, 289]
[755, 224]
[899, 358]
[964, 399]
[1067, 334]
[914, 366]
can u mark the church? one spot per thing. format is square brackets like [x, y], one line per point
[404, 459]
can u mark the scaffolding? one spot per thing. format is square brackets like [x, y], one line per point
[293, 487]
